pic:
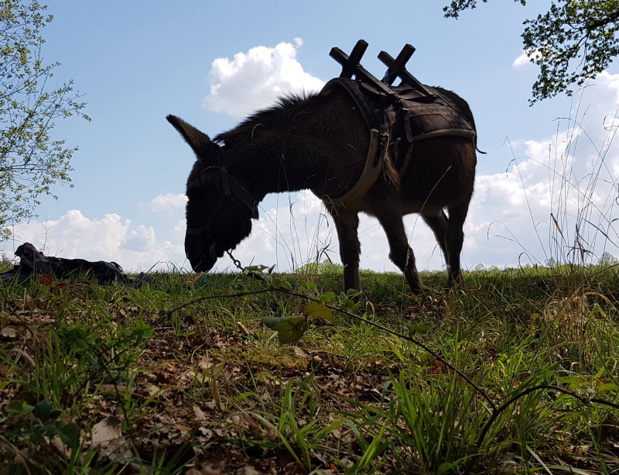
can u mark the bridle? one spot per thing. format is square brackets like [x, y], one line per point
[230, 189]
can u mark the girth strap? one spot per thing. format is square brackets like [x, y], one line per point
[373, 165]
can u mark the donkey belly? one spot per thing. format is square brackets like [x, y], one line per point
[441, 173]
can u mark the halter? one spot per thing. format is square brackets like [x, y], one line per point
[241, 198]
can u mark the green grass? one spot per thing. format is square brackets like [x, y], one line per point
[514, 373]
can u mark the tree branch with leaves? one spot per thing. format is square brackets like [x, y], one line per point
[571, 43]
[30, 159]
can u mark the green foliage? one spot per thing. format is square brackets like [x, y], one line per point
[38, 424]
[515, 372]
[292, 328]
[289, 329]
[30, 159]
[454, 9]
[318, 310]
[572, 42]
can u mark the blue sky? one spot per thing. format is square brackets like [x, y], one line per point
[136, 62]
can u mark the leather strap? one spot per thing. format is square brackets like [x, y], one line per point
[373, 165]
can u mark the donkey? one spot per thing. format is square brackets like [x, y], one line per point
[320, 142]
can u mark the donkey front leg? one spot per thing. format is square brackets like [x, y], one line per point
[400, 252]
[346, 224]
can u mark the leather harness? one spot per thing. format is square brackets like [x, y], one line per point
[397, 117]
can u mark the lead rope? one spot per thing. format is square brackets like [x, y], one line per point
[237, 263]
[248, 273]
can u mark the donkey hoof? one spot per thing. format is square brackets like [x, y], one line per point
[421, 289]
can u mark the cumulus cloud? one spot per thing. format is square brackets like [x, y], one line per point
[525, 58]
[605, 92]
[558, 200]
[521, 61]
[167, 202]
[255, 79]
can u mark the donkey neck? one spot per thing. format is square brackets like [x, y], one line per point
[303, 143]
[276, 167]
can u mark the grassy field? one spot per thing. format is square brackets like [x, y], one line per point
[514, 373]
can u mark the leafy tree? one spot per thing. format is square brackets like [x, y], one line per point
[607, 260]
[572, 42]
[30, 160]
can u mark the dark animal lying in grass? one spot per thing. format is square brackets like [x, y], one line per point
[33, 262]
[323, 142]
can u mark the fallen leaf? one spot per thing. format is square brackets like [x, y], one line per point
[151, 389]
[200, 416]
[115, 449]
[107, 429]
[205, 470]
[243, 329]
[8, 332]
[45, 280]
[211, 405]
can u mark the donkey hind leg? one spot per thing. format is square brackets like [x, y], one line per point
[346, 225]
[439, 224]
[400, 252]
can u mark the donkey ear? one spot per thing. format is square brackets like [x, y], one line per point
[198, 141]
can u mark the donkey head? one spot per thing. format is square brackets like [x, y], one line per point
[219, 207]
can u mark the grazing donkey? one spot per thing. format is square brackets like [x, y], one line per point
[356, 148]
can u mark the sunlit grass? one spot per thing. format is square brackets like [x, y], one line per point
[197, 380]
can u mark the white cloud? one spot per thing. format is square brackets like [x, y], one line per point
[167, 202]
[254, 80]
[289, 234]
[521, 61]
[525, 59]
[560, 195]
[609, 81]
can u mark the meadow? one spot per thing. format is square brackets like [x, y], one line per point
[514, 372]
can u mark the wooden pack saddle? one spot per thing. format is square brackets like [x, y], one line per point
[396, 117]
